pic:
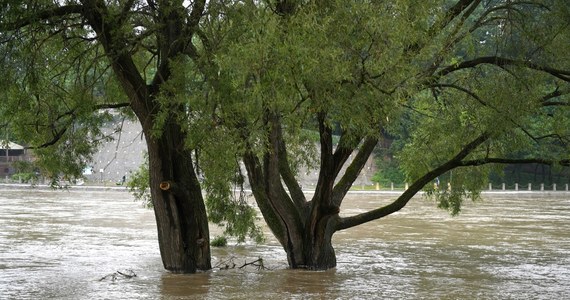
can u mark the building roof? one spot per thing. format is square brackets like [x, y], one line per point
[10, 145]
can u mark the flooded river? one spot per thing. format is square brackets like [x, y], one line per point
[72, 244]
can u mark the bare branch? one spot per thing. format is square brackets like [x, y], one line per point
[46, 14]
[501, 62]
[510, 161]
[462, 89]
[344, 184]
[451, 14]
[399, 203]
[111, 105]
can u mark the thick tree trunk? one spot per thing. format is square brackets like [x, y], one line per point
[180, 213]
[179, 207]
[319, 253]
[303, 228]
[313, 250]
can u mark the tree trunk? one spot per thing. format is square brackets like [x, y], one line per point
[305, 248]
[319, 253]
[180, 213]
[304, 229]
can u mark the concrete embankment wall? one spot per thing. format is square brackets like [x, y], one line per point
[125, 154]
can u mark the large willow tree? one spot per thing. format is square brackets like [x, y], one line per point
[468, 84]
[65, 63]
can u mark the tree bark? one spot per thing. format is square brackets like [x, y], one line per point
[304, 229]
[180, 212]
[178, 206]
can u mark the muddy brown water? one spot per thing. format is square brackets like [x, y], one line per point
[70, 245]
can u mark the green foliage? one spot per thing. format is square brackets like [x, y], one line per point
[388, 172]
[403, 67]
[236, 215]
[138, 184]
[388, 166]
[49, 106]
[25, 177]
[455, 187]
[23, 166]
[219, 241]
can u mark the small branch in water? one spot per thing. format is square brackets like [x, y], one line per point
[114, 276]
[258, 263]
[230, 264]
[130, 275]
[226, 264]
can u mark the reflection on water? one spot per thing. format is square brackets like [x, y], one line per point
[60, 244]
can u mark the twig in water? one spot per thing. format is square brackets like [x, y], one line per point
[114, 276]
[258, 263]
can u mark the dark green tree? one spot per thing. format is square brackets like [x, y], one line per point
[461, 78]
[65, 63]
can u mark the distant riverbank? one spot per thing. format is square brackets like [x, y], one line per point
[91, 187]
[24, 186]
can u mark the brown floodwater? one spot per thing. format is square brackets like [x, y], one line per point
[72, 244]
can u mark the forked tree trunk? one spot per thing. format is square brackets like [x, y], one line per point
[312, 249]
[303, 228]
[179, 209]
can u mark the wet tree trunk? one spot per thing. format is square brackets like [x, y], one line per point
[312, 251]
[178, 204]
[176, 194]
[318, 252]
[304, 228]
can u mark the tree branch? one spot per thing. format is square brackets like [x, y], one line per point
[111, 105]
[501, 62]
[122, 63]
[462, 89]
[555, 94]
[125, 10]
[353, 170]
[196, 14]
[451, 14]
[348, 222]
[56, 137]
[46, 14]
[496, 160]
[288, 176]
[58, 134]
[326, 173]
